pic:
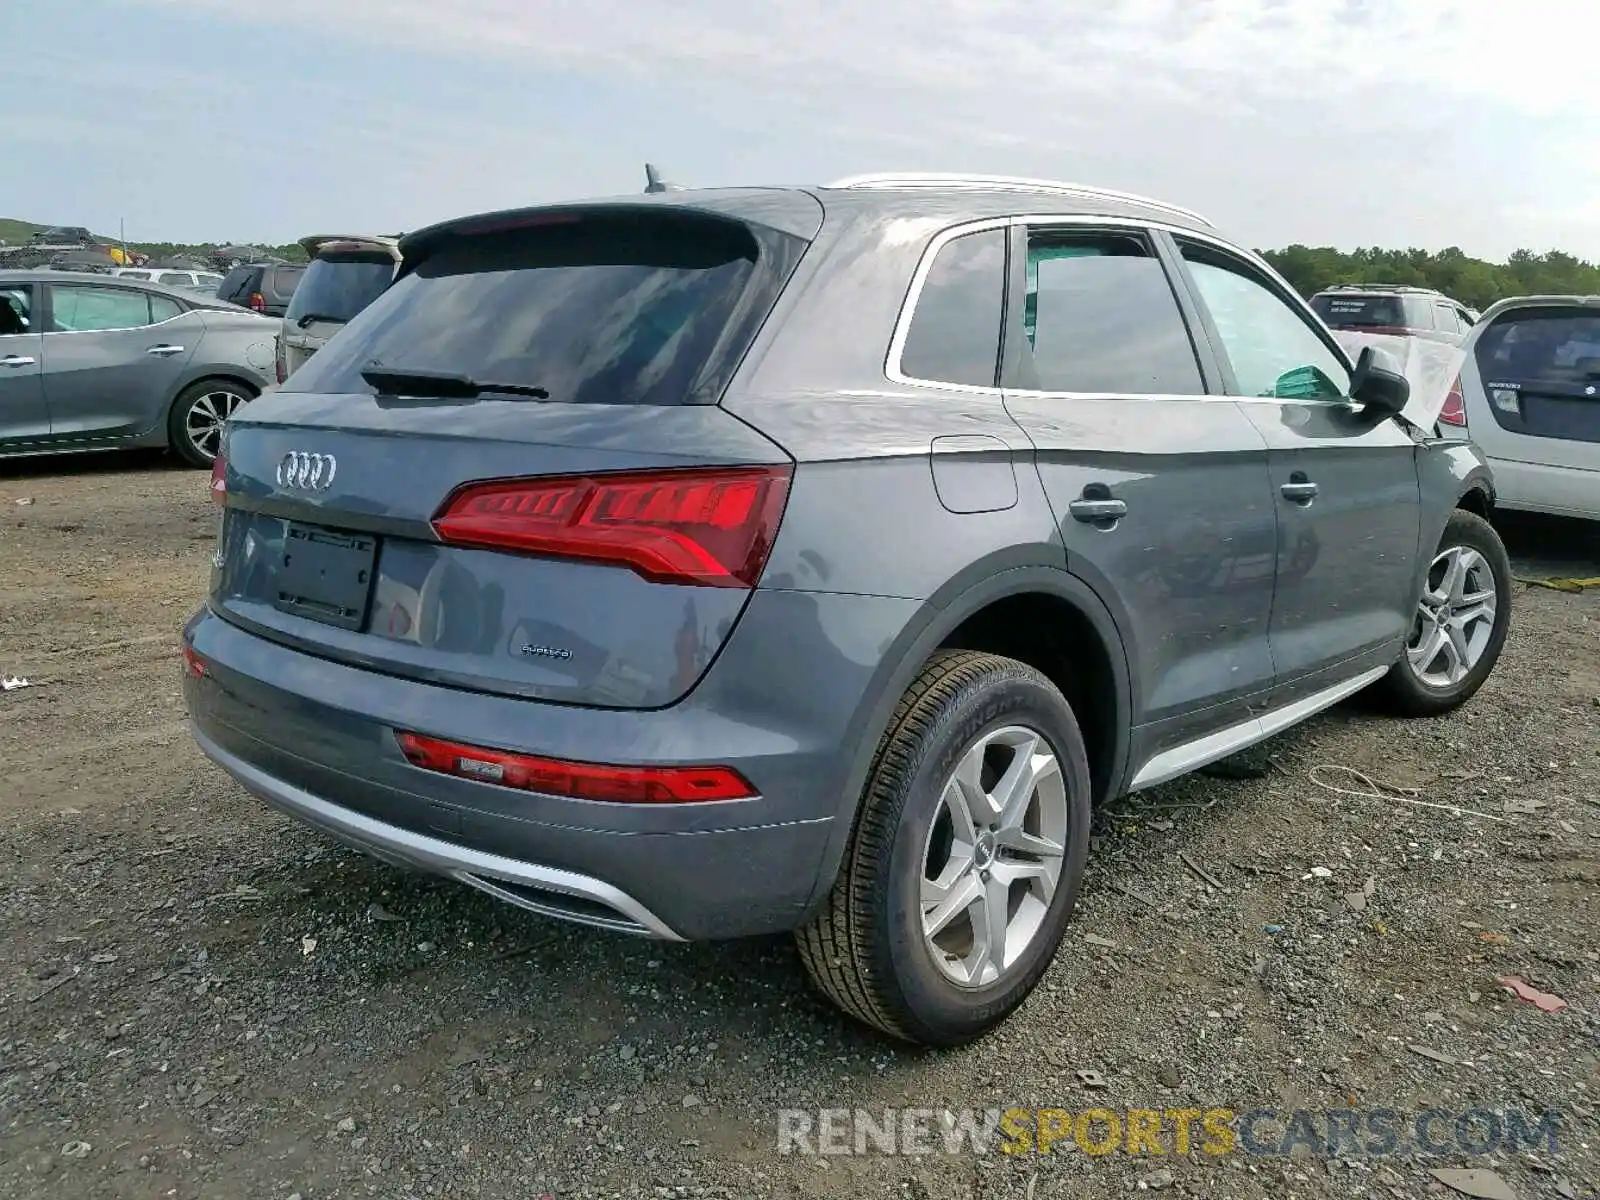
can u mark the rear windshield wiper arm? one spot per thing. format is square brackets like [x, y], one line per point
[445, 385]
[315, 316]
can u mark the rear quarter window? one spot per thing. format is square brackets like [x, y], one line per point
[285, 280]
[596, 307]
[954, 336]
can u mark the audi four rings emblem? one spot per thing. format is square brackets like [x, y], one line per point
[307, 472]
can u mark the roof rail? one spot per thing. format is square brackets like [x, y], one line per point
[1382, 287]
[1005, 183]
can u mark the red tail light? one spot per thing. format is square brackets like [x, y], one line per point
[258, 302]
[710, 526]
[1454, 411]
[193, 663]
[219, 480]
[579, 781]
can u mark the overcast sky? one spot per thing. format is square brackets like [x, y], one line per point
[1350, 122]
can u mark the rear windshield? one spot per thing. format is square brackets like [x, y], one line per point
[1545, 345]
[339, 286]
[597, 307]
[1362, 311]
[235, 281]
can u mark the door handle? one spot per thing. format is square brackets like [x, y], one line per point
[164, 351]
[16, 360]
[1300, 491]
[1092, 511]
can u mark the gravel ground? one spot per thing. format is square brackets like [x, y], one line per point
[202, 999]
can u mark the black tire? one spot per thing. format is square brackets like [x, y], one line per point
[865, 950]
[1403, 691]
[179, 424]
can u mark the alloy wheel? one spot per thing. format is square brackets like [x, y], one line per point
[1455, 618]
[993, 857]
[203, 422]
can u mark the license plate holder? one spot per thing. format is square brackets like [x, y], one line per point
[326, 575]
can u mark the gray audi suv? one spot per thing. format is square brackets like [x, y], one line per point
[713, 563]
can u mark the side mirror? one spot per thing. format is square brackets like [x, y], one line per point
[1378, 385]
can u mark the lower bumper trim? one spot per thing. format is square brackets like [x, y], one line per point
[564, 895]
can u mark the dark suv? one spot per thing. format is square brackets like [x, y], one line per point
[713, 563]
[63, 235]
[265, 288]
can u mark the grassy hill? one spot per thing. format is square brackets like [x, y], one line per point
[14, 233]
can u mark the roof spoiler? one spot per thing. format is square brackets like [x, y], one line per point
[654, 183]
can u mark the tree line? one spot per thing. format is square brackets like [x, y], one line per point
[1472, 281]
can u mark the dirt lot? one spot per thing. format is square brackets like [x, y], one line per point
[201, 999]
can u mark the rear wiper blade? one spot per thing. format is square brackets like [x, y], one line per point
[312, 316]
[445, 385]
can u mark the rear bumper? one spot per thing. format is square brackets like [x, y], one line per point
[1559, 491]
[558, 893]
[316, 739]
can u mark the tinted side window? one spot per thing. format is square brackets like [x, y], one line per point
[955, 328]
[1273, 349]
[85, 309]
[1101, 317]
[175, 278]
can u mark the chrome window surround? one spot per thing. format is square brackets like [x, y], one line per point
[182, 312]
[892, 363]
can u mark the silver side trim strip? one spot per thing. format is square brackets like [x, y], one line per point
[1180, 760]
[472, 867]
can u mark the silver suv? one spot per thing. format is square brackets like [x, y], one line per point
[347, 273]
[712, 563]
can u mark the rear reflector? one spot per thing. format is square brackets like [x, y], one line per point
[1454, 411]
[710, 526]
[579, 781]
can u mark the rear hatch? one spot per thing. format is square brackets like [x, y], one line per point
[343, 278]
[1540, 369]
[510, 472]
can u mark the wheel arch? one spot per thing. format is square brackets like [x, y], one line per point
[222, 375]
[955, 615]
